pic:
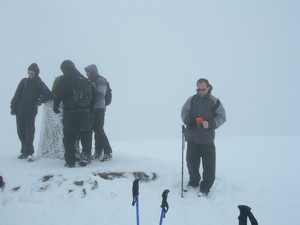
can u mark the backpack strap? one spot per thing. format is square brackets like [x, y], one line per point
[192, 105]
[216, 105]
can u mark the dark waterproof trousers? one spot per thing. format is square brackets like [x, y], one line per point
[101, 140]
[26, 131]
[77, 125]
[196, 152]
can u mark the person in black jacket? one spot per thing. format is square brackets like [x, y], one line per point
[76, 118]
[30, 93]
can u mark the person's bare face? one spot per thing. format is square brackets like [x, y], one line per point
[202, 89]
[31, 74]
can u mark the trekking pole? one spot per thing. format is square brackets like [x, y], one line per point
[135, 201]
[244, 214]
[2, 183]
[182, 158]
[164, 206]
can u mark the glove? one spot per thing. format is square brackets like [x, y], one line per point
[190, 121]
[44, 98]
[39, 101]
[12, 112]
[56, 110]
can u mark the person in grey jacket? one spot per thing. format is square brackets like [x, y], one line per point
[202, 113]
[101, 140]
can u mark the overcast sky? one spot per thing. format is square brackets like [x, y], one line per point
[153, 52]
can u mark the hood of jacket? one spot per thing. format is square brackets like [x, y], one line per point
[35, 68]
[68, 68]
[92, 69]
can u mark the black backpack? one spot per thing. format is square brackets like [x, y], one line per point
[82, 93]
[108, 94]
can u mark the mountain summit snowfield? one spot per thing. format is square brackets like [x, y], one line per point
[261, 172]
[152, 53]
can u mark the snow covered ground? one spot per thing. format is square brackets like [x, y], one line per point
[261, 172]
[152, 53]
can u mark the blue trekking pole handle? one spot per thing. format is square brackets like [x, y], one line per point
[164, 206]
[135, 201]
[245, 213]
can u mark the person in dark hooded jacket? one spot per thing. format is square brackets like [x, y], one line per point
[76, 119]
[202, 113]
[101, 141]
[30, 93]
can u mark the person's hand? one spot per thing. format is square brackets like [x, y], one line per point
[12, 112]
[56, 110]
[39, 101]
[205, 124]
[199, 121]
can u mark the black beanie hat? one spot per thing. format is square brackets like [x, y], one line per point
[34, 67]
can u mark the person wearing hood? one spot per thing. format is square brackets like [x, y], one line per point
[202, 113]
[31, 92]
[76, 117]
[101, 140]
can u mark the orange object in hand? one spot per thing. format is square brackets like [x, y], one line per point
[199, 120]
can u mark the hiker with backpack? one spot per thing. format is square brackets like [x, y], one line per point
[78, 98]
[31, 92]
[202, 113]
[77, 143]
[103, 99]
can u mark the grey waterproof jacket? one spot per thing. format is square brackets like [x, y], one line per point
[101, 85]
[210, 110]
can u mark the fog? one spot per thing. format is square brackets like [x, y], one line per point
[153, 52]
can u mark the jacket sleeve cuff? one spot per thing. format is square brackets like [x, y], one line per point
[212, 124]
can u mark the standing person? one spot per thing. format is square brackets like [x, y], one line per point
[101, 140]
[77, 147]
[75, 92]
[202, 113]
[30, 93]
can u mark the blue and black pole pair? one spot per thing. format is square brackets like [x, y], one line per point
[135, 194]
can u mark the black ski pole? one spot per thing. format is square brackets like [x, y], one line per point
[135, 201]
[182, 157]
[164, 206]
[244, 214]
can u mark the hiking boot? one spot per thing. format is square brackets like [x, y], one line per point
[85, 159]
[97, 155]
[193, 184]
[22, 156]
[30, 158]
[77, 157]
[70, 165]
[202, 194]
[106, 157]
